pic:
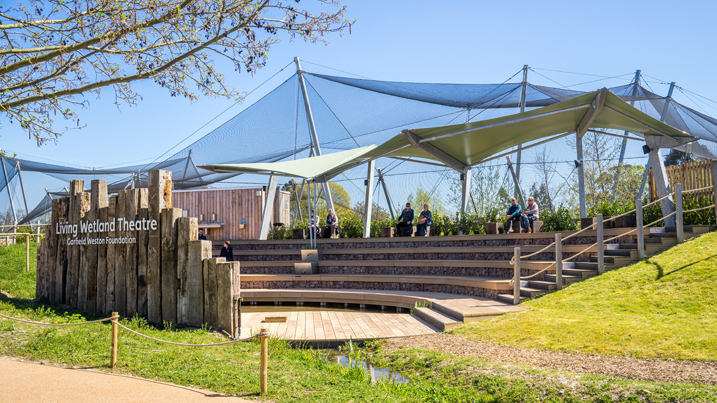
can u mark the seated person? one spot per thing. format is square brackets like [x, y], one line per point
[201, 235]
[424, 220]
[227, 252]
[332, 225]
[530, 214]
[512, 215]
[404, 226]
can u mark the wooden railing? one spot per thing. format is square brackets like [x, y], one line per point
[692, 175]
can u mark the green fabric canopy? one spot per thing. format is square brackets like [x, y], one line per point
[465, 145]
[308, 168]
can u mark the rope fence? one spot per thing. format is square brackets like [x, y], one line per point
[263, 337]
[553, 244]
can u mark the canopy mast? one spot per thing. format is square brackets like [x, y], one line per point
[518, 155]
[312, 129]
[636, 85]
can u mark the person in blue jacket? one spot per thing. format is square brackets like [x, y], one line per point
[513, 214]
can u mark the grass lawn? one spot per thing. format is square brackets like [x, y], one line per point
[663, 307]
[297, 375]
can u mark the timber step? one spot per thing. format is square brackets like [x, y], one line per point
[567, 278]
[508, 298]
[436, 318]
[543, 285]
[529, 292]
[581, 273]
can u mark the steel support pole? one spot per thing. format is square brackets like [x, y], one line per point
[9, 193]
[623, 147]
[312, 129]
[22, 187]
[466, 190]
[515, 179]
[678, 216]
[368, 201]
[298, 199]
[385, 191]
[640, 229]
[268, 211]
[600, 245]
[186, 166]
[660, 174]
[519, 154]
[559, 260]
[644, 180]
[581, 175]
[516, 276]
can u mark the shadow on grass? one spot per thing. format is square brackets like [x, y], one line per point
[661, 271]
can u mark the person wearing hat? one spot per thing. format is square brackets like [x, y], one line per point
[227, 252]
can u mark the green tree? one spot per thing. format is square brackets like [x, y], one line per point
[57, 52]
[677, 157]
[341, 198]
[422, 197]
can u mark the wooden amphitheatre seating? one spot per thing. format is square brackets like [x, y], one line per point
[474, 268]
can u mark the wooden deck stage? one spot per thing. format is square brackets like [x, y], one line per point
[339, 326]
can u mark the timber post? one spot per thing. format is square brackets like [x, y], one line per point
[516, 276]
[640, 230]
[113, 352]
[264, 339]
[600, 245]
[559, 260]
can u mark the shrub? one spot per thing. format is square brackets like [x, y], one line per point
[559, 219]
[351, 227]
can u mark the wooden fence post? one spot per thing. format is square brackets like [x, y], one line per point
[600, 245]
[37, 232]
[113, 352]
[264, 360]
[559, 260]
[640, 230]
[680, 228]
[516, 276]
[27, 253]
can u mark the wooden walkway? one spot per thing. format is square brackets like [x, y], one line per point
[329, 326]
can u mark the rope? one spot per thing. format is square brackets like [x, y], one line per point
[59, 324]
[512, 280]
[189, 345]
[697, 209]
[697, 190]
[512, 260]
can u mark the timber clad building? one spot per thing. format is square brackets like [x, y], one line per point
[231, 213]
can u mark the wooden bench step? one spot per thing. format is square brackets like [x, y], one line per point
[437, 319]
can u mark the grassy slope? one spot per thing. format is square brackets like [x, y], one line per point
[663, 307]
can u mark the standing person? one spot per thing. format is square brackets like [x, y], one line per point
[227, 252]
[404, 226]
[201, 235]
[424, 220]
[313, 225]
[513, 214]
[332, 225]
[530, 214]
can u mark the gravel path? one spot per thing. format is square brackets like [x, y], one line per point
[624, 367]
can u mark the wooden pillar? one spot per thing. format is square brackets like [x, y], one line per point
[210, 290]
[121, 256]
[225, 274]
[98, 200]
[142, 240]
[111, 254]
[61, 251]
[51, 261]
[84, 261]
[73, 267]
[187, 230]
[160, 197]
[170, 282]
[131, 251]
[194, 284]
[102, 264]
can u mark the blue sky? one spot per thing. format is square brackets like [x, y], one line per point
[450, 41]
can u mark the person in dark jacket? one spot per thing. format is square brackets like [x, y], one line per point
[201, 235]
[227, 252]
[513, 214]
[332, 225]
[404, 226]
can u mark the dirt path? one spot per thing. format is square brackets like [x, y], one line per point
[624, 367]
[30, 382]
